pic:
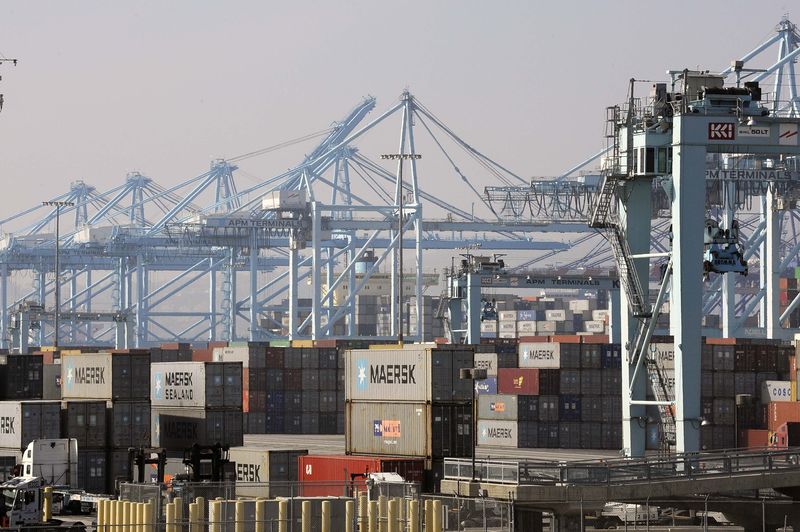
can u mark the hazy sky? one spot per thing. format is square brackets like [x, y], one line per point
[103, 88]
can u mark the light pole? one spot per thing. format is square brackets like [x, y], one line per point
[401, 157]
[57, 205]
[473, 374]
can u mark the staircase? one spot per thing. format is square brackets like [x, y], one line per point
[604, 217]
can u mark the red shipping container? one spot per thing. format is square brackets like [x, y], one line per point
[212, 345]
[721, 341]
[518, 381]
[202, 355]
[331, 475]
[595, 339]
[534, 339]
[754, 438]
[780, 413]
[566, 338]
[325, 343]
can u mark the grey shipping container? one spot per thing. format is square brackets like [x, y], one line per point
[118, 466]
[92, 471]
[497, 433]
[176, 429]
[24, 421]
[20, 377]
[51, 382]
[408, 429]
[105, 376]
[129, 424]
[197, 384]
[539, 355]
[501, 407]
[414, 374]
[264, 472]
[86, 421]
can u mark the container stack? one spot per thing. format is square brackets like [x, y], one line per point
[253, 357]
[788, 291]
[105, 407]
[547, 316]
[557, 394]
[24, 421]
[409, 402]
[264, 472]
[195, 403]
[299, 390]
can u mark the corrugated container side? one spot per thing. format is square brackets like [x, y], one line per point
[331, 475]
[87, 422]
[502, 407]
[401, 429]
[522, 381]
[92, 470]
[487, 361]
[539, 355]
[176, 429]
[497, 433]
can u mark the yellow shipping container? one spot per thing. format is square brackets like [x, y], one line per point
[302, 343]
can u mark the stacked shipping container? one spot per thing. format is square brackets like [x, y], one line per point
[105, 407]
[195, 403]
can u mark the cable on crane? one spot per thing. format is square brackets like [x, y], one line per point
[278, 146]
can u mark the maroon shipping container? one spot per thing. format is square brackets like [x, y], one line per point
[518, 381]
[333, 475]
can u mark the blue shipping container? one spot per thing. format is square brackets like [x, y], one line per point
[611, 356]
[526, 315]
[569, 408]
[486, 386]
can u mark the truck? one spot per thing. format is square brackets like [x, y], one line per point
[45, 462]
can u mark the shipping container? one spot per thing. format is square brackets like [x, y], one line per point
[249, 356]
[92, 471]
[414, 374]
[497, 433]
[611, 381]
[24, 421]
[780, 413]
[487, 361]
[408, 429]
[501, 407]
[570, 382]
[774, 391]
[663, 354]
[262, 472]
[548, 407]
[611, 356]
[569, 435]
[51, 382]
[486, 386]
[129, 424]
[549, 435]
[197, 384]
[527, 434]
[592, 408]
[105, 376]
[549, 382]
[176, 429]
[569, 408]
[20, 377]
[527, 407]
[744, 383]
[591, 382]
[86, 421]
[336, 475]
[571, 355]
[724, 412]
[591, 356]
[522, 381]
[723, 356]
[591, 435]
[539, 355]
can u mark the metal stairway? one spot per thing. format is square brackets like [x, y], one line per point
[602, 217]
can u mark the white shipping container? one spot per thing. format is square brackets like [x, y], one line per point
[497, 433]
[508, 326]
[600, 315]
[507, 334]
[232, 354]
[597, 327]
[663, 355]
[526, 327]
[579, 305]
[86, 376]
[284, 199]
[178, 384]
[489, 326]
[418, 373]
[776, 391]
[545, 327]
[507, 315]
[260, 471]
[487, 361]
[555, 315]
[539, 355]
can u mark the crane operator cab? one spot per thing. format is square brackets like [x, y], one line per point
[723, 253]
